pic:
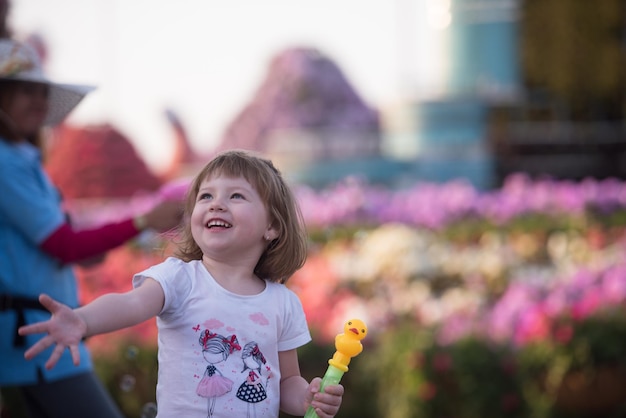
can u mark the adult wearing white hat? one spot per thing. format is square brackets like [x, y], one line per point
[38, 245]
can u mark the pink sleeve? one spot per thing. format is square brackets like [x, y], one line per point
[71, 246]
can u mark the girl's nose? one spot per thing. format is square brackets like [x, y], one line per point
[216, 206]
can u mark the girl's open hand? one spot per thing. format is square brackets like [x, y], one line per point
[65, 329]
[326, 403]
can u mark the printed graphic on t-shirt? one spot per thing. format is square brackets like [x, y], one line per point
[221, 354]
[252, 390]
[216, 349]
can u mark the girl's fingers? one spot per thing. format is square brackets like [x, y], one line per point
[336, 390]
[323, 414]
[55, 356]
[46, 342]
[38, 347]
[327, 403]
[315, 384]
[75, 354]
[37, 328]
[49, 303]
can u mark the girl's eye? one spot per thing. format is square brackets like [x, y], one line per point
[236, 196]
[203, 196]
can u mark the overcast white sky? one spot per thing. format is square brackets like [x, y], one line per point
[205, 58]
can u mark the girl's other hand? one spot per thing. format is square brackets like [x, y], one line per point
[327, 403]
[65, 329]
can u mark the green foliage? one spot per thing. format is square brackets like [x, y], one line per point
[472, 378]
[395, 362]
[421, 379]
[565, 377]
[597, 340]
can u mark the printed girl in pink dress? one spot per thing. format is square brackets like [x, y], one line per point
[215, 348]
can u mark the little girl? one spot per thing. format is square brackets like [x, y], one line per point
[244, 238]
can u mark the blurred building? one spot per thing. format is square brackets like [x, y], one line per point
[570, 124]
[307, 117]
[449, 132]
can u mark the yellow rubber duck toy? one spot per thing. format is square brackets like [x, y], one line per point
[348, 344]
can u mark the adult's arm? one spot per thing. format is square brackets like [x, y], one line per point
[71, 246]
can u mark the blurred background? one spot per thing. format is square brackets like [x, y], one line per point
[460, 164]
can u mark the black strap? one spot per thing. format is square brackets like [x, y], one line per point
[18, 304]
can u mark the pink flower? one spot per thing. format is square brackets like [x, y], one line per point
[533, 325]
[590, 302]
[614, 284]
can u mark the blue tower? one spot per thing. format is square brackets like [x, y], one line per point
[483, 72]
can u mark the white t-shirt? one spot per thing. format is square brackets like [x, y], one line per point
[218, 351]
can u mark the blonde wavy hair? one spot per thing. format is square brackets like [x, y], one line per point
[284, 255]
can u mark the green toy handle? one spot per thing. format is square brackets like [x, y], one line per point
[332, 377]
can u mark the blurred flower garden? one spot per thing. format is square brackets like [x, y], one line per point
[508, 302]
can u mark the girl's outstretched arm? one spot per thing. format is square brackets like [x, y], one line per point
[107, 313]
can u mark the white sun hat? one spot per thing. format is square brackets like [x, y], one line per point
[19, 61]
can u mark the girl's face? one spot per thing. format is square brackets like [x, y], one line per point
[230, 221]
[27, 107]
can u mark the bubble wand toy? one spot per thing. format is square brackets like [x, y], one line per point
[348, 345]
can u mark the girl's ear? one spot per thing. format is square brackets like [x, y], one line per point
[270, 234]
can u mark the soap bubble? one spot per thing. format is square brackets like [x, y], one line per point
[132, 352]
[149, 410]
[127, 383]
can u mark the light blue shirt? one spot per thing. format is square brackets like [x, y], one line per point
[30, 210]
